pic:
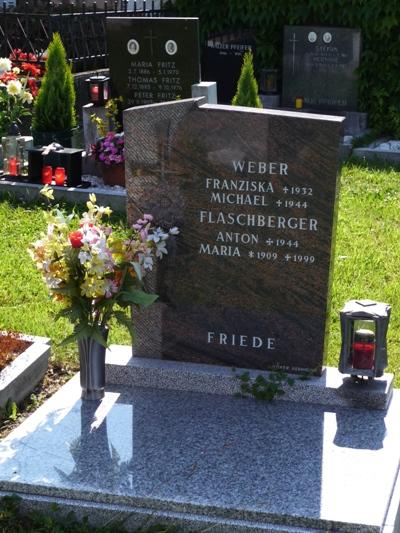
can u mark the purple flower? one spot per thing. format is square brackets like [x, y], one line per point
[110, 149]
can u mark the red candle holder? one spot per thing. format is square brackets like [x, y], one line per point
[363, 350]
[47, 175]
[12, 166]
[59, 176]
[95, 93]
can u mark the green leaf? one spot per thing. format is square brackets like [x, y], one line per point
[138, 270]
[138, 297]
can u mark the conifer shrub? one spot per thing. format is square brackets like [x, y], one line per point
[247, 87]
[54, 108]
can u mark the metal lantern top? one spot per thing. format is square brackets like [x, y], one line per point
[366, 309]
[363, 351]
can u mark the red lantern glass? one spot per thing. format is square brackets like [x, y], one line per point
[12, 166]
[363, 349]
[94, 92]
[59, 176]
[47, 175]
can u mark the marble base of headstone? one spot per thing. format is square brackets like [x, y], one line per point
[270, 101]
[208, 89]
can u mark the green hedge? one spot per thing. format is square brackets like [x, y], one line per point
[379, 21]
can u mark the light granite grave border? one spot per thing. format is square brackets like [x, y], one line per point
[331, 388]
[116, 199]
[21, 376]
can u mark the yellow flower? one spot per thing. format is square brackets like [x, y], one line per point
[93, 287]
[47, 192]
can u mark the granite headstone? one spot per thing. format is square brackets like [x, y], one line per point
[222, 59]
[253, 192]
[319, 65]
[153, 59]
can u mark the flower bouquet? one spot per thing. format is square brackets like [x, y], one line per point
[90, 268]
[18, 88]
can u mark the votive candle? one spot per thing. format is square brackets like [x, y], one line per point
[47, 174]
[12, 166]
[59, 176]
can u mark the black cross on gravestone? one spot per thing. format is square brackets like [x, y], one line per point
[294, 41]
[151, 37]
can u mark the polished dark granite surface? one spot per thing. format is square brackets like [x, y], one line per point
[246, 282]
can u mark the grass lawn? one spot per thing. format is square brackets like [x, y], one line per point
[367, 255]
[367, 261]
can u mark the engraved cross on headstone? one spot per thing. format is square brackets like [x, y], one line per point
[151, 37]
[294, 41]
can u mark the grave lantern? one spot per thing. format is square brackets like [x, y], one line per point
[269, 81]
[364, 325]
[98, 89]
[11, 151]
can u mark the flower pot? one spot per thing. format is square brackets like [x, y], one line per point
[113, 174]
[92, 359]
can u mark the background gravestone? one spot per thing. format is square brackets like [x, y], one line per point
[253, 193]
[153, 59]
[319, 65]
[222, 58]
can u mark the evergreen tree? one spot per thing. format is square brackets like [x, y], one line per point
[247, 87]
[54, 108]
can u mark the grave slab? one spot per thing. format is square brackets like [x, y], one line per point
[151, 455]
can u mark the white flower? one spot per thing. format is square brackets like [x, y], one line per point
[146, 260]
[158, 235]
[174, 231]
[84, 257]
[16, 70]
[52, 283]
[148, 263]
[14, 87]
[5, 64]
[26, 97]
[161, 249]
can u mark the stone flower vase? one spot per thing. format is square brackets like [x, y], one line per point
[92, 360]
[114, 174]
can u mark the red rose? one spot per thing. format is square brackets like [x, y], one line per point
[75, 238]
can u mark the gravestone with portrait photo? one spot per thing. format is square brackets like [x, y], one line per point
[320, 67]
[152, 59]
